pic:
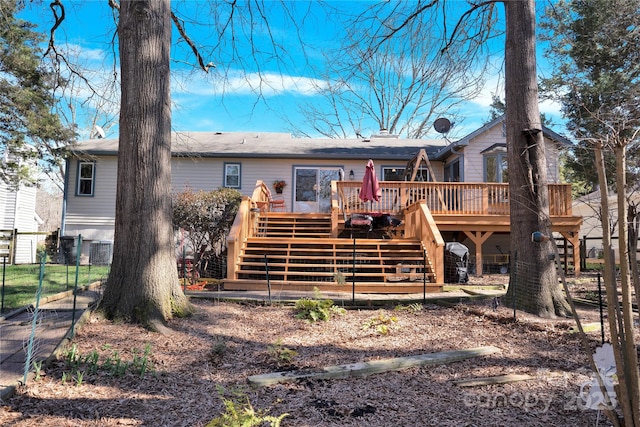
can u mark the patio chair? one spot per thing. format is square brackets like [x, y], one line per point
[272, 205]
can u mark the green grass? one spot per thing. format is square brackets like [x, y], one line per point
[21, 281]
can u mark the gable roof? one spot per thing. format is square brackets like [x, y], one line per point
[276, 145]
[455, 147]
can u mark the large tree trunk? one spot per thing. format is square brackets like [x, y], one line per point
[534, 282]
[143, 284]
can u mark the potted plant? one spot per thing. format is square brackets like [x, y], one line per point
[279, 186]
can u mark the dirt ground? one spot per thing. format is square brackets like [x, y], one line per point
[212, 353]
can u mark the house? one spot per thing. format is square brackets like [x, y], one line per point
[209, 160]
[589, 208]
[18, 223]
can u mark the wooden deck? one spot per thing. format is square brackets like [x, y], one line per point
[478, 210]
[302, 251]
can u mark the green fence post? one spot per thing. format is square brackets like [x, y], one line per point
[75, 286]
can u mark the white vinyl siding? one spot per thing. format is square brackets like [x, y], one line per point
[103, 203]
[18, 212]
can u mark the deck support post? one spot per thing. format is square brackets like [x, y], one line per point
[478, 238]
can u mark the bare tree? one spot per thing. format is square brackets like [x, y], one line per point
[400, 83]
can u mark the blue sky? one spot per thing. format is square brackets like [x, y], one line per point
[202, 102]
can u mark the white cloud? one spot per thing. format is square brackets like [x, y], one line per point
[267, 84]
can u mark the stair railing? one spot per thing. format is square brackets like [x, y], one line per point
[419, 224]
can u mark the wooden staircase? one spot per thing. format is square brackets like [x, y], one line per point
[293, 251]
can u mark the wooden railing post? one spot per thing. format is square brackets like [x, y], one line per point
[335, 208]
[419, 224]
[240, 229]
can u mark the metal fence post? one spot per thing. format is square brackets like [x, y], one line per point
[514, 277]
[601, 307]
[353, 275]
[34, 322]
[75, 286]
[4, 268]
[424, 276]
[266, 271]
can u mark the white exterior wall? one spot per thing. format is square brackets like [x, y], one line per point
[18, 212]
[7, 207]
[94, 217]
[474, 161]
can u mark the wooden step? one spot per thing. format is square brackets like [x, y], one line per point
[361, 287]
[294, 225]
[298, 252]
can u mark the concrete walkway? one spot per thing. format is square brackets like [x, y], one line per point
[56, 316]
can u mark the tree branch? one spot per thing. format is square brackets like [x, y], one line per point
[194, 48]
[58, 20]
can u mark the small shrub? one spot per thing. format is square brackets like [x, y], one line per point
[281, 355]
[414, 308]
[314, 309]
[238, 412]
[79, 378]
[218, 349]
[381, 323]
[113, 364]
[37, 367]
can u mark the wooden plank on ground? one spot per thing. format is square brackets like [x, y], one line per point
[374, 366]
[500, 379]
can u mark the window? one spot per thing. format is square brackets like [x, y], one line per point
[86, 178]
[452, 171]
[392, 174]
[495, 164]
[232, 175]
[397, 174]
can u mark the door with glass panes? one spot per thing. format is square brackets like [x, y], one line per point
[312, 188]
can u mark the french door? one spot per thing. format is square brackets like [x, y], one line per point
[312, 188]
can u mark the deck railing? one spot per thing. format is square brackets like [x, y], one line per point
[244, 225]
[451, 198]
[419, 224]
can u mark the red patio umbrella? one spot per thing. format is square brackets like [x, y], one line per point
[370, 189]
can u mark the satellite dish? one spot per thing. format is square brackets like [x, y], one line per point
[442, 125]
[98, 132]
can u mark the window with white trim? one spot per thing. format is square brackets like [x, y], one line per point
[495, 165]
[86, 178]
[232, 175]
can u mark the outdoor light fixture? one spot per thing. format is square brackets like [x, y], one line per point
[352, 175]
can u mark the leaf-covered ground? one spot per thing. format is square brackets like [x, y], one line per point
[216, 350]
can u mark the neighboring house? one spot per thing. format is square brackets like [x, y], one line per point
[589, 207]
[209, 160]
[18, 216]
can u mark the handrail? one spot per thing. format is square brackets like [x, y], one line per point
[261, 192]
[335, 208]
[244, 224]
[419, 224]
[239, 232]
[451, 198]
